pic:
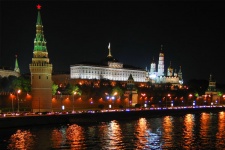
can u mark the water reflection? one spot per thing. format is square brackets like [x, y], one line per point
[111, 136]
[70, 137]
[188, 131]
[75, 136]
[220, 135]
[204, 129]
[167, 131]
[141, 133]
[146, 138]
[22, 139]
[58, 137]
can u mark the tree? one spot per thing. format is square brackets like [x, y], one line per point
[117, 91]
[71, 89]
[21, 83]
[54, 88]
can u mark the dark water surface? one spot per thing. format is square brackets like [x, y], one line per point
[189, 131]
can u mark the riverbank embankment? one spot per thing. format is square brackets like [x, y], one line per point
[91, 117]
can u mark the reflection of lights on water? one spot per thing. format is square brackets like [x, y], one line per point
[146, 138]
[68, 137]
[21, 140]
[220, 133]
[75, 136]
[188, 130]
[111, 136]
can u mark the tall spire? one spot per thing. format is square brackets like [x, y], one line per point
[109, 51]
[16, 69]
[41, 71]
[161, 63]
[39, 41]
[39, 22]
[161, 48]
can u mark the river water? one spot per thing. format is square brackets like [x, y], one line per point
[188, 131]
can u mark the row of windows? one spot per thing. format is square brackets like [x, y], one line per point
[104, 71]
[39, 77]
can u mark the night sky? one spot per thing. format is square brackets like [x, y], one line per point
[192, 34]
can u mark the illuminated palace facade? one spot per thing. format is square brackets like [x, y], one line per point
[112, 69]
[109, 69]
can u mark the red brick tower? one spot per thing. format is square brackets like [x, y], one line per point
[41, 71]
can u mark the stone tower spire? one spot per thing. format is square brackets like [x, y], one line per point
[170, 70]
[212, 84]
[16, 69]
[41, 71]
[109, 55]
[161, 63]
[180, 76]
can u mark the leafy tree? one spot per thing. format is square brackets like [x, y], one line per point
[54, 88]
[71, 89]
[21, 83]
[117, 90]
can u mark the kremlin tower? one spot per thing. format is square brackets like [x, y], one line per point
[41, 71]
[161, 63]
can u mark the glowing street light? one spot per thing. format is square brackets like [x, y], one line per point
[61, 100]
[167, 98]
[73, 100]
[18, 103]
[12, 102]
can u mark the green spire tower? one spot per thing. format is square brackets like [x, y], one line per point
[41, 71]
[16, 69]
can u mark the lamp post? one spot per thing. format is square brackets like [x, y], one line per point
[167, 98]
[12, 103]
[73, 100]
[62, 106]
[18, 103]
[190, 96]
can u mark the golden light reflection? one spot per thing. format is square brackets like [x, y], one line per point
[113, 133]
[220, 135]
[75, 136]
[141, 133]
[188, 130]
[56, 138]
[204, 127]
[168, 129]
[21, 140]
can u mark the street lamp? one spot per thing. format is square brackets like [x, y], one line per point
[18, 103]
[73, 100]
[166, 99]
[61, 100]
[190, 96]
[12, 102]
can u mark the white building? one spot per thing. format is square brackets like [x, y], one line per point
[109, 69]
[172, 76]
[112, 69]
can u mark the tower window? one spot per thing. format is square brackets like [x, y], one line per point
[47, 77]
[39, 77]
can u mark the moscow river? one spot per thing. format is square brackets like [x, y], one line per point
[181, 131]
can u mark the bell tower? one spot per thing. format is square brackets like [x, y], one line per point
[161, 63]
[41, 71]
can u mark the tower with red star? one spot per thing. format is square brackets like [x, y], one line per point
[41, 71]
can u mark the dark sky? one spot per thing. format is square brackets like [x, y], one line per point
[192, 33]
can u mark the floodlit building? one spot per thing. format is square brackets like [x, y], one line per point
[109, 69]
[160, 76]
